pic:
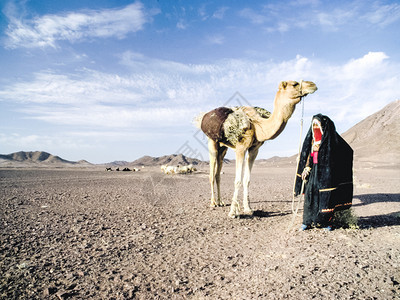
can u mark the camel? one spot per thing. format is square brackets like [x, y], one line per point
[245, 129]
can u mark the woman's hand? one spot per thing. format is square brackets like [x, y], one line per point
[305, 173]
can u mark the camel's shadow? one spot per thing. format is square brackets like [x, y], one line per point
[378, 220]
[263, 214]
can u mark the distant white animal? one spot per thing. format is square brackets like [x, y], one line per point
[177, 169]
[169, 169]
[187, 169]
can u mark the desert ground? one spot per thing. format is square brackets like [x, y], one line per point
[91, 234]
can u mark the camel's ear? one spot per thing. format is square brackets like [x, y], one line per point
[283, 84]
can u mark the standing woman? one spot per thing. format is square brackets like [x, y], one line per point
[326, 162]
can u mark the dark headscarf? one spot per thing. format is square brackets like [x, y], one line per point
[334, 174]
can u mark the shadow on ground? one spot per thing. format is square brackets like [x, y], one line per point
[379, 220]
[264, 214]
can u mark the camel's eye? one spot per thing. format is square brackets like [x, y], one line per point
[295, 84]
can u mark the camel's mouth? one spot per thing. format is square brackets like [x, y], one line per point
[307, 87]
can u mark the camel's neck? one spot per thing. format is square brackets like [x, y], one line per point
[268, 129]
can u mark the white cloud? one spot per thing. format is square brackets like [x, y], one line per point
[369, 65]
[305, 2]
[108, 117]
[333, 20]
[182, 24]
[383, 15]
[216, 39]
[174, 92]
[35, 142]
[47, 30]
[253, 16]
[315, 14]
[85, 86]
[220, 13]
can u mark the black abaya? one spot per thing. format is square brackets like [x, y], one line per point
[330, 183]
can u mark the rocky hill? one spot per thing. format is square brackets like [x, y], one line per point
[117, 163]
[173, 159]
[23, 158]
[35, 157]
[376, 138]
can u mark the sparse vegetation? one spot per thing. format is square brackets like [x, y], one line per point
[346, 219]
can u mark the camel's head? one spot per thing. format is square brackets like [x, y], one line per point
[293, 91]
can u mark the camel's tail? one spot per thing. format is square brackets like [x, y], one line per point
[198, 119]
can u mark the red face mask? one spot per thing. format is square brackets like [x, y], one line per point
[317, 131]
[317, 134]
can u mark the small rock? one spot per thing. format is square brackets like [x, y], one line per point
[23, 265]
[80, 273]
[50, 291]
[71, 286]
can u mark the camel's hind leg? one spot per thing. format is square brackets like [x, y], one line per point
[217, 155]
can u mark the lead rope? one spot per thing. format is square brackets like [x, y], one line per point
[294, 211]
[298, 161]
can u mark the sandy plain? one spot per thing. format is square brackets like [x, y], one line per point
[91, 234]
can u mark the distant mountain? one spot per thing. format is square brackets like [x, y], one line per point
[173, 159]
[83, 162]
[37, 157]
[277, 161]
[117, 163]
[376, 138]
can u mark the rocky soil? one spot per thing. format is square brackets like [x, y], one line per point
[91, 234]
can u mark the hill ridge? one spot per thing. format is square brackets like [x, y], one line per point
[376, 137]
[37, 157]
[172, 159]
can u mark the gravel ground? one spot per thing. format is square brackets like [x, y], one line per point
[91, 234]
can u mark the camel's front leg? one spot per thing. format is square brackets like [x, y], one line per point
[220, 160]
[235, 207]
[253, 151]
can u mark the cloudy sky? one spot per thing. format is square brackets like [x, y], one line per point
[113, 80]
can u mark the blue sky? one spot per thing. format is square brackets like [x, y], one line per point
[115, 80]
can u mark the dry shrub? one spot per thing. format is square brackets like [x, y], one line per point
[346, 219]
